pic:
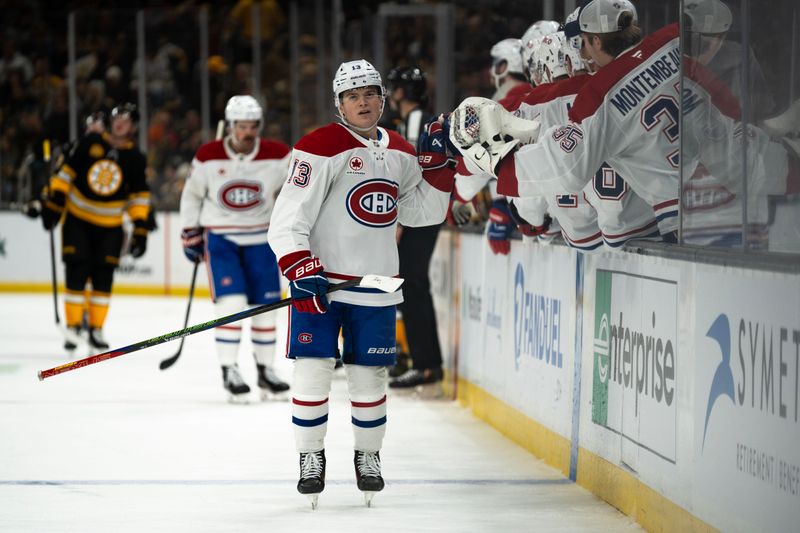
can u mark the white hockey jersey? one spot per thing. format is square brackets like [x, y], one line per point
[606, 210]
[342, 200]
[626, 115]
[233, 194]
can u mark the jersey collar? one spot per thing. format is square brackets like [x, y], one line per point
[235, 155]
[381, 142]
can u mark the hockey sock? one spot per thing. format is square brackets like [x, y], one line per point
[312, 385]
[367, 386]
[262, 331]
[98, 308]
[229, 336]
[73, 307]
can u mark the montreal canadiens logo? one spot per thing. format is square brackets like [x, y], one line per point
[305, 338]
[373, 203]
[356, 163]
[239, 195]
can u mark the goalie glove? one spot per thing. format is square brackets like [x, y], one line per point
[485, 132]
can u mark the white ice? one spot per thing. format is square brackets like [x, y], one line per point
[121, 446]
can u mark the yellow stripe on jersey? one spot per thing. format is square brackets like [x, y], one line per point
[106, 214]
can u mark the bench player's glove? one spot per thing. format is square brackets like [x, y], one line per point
[500, 227]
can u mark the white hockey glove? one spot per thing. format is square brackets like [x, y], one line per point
[485, 132]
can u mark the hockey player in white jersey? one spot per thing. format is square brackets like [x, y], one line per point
[606, 210]
[350, 183]
[225, 210]
[626, 114]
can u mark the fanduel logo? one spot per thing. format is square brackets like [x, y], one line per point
[537, 324]
[764, 353]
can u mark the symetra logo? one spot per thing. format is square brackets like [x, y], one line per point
[722, 384]
[373, 203]
[759, 378]
[537, 324]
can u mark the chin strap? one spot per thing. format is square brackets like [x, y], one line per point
[363, 130]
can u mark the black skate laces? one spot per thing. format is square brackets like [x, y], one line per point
[369, 464]
[311, 465]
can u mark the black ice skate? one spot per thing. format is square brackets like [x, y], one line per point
[414, 377]
[270, 384]
[96, 340]
[368, 474]
[312, 475]
[234, 384]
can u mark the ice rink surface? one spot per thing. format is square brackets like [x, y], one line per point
[121, 446]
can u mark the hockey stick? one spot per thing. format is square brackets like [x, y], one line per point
[166, 363]
[382, 283]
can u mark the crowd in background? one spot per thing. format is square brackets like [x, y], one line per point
[34, 94]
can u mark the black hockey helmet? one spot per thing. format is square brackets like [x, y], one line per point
[126, 109]
[412, 80]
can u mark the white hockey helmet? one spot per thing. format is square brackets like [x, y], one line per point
[539, 29]
[529, 63]
[602, 16]
[508, 50]
[355, 74]
[243, 107]
[550, 57]
[707, 16]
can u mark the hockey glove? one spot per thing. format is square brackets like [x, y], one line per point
[193, 244]
[500, 227]
[52, 208]
[438, 167]
[138, 239]
[526, 228]
[307, 283]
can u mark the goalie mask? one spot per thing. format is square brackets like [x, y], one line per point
[352, 75]
[508, 51]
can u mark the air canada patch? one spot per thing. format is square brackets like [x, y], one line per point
[373, 203]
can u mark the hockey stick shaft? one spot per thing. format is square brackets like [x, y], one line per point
[197, 328]
[166, 363]
[54, 280]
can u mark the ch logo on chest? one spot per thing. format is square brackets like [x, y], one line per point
[241, 195]
[373, 203]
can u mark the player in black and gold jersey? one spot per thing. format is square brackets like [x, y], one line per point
[102, 177]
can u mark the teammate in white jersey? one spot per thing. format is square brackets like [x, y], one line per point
[626, 115]
[606, 210]
[225, 209]
[349, 185]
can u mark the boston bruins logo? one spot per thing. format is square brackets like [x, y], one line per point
[104, 177]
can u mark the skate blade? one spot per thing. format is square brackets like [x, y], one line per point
[368, 495]
[314, 499]
[239, 399]
[267, 396]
